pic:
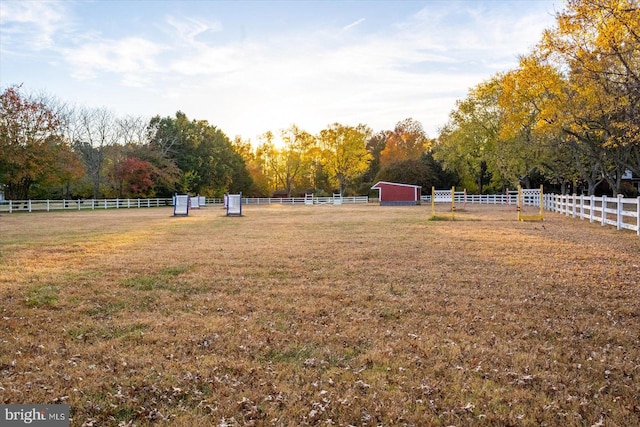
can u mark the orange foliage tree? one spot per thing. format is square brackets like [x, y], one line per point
[406, 141]
[32, 147]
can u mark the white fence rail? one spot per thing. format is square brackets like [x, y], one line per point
[622, 213]
[301, 200]
[617, 211]
[483, 199]
[11, 206]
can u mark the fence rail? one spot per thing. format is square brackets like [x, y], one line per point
[11, 206]
[617, 211]
[301, 200]
[622, 213]
[483, 199]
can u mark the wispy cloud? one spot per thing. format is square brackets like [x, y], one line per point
[353, 24]
[188, 29]
[132, 58]
[27, 26]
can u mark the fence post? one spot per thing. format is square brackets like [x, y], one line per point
[638, 215]
[559, 203]
[433, 201]
[604, 209]
[592, 206]
[582, 206]
[563, 204]
[619, 212]
[453, 202]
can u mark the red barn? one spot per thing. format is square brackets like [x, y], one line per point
[394, 194]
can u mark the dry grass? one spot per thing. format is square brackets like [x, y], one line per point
[350, 315]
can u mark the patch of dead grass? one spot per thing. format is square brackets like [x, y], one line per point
[350, 315]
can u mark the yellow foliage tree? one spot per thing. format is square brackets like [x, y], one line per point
[596, 47]
[345, 156]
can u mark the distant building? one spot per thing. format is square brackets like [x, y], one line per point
[395, 194]
[632, 179]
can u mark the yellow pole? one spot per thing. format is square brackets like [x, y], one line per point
[433, 201]
[453, 202]
[541, 203]
[519, 202]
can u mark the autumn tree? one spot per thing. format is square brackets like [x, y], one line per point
[266, 158]
[317, 174]
[468, 142]
[32, 146]
[569, 112]
[424, 171]
[345, 155]
[596, 47]
[133, 177]
[260, 182]
[538, 105]
[71, 170]
[375, 145]
[289, 168]
[407, 140]
[294, 163]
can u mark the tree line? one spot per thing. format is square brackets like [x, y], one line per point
[51, 150]
[567, 117]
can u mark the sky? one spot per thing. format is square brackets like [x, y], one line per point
[248, 67]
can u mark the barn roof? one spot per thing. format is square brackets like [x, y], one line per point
[377, 185]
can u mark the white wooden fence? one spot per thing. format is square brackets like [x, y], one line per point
[483, 199]
[623, 213]
[11, 206]
[301, 200]
[617, 211]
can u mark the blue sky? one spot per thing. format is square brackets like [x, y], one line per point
[254, 66]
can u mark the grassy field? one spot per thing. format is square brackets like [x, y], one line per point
[324, 315]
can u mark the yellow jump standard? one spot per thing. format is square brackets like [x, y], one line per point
[530, 193]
